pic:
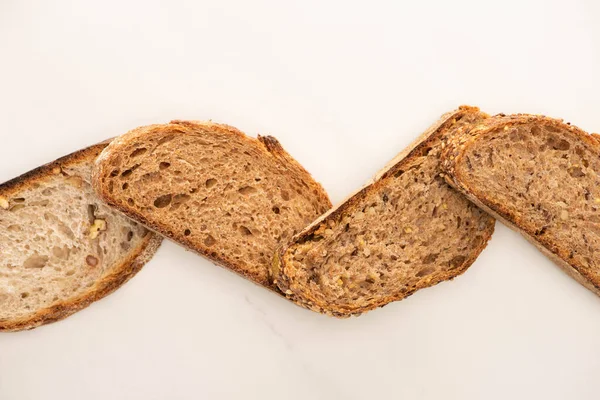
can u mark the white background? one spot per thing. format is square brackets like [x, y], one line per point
[344, 86]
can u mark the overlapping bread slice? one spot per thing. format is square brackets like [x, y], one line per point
[404, 231]
[60, 247]
[211, 188]
[541, 177]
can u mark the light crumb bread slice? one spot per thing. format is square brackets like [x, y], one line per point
[211, 188]
[540, 176]
[404, 231]
[60, 247]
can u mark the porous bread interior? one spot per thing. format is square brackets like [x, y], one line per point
[410, 230]
[545, 179]
[219, 193]
[46, 253]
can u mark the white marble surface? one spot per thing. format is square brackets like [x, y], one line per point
[344, 86]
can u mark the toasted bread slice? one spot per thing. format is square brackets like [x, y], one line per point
[60, 247]
[539, 176]
[209, 187]
[404, 231]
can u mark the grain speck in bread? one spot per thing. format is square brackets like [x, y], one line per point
[60, 247]
[404, 231]
[540, 176]
[213, 189]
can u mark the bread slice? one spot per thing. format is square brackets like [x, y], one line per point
[60, 247]
[540, 177]
[404, 231]
[211, 188]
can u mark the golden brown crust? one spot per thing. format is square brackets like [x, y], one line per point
[108, 284]
[268, 144]
[415, 150]
[452, 156]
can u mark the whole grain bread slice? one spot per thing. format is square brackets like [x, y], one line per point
[60, 247]
[539, 176]
[404, 231]
[211, 188]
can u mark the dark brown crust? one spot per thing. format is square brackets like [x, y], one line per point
[405, 157]
[108, 284]
[269, 144]
[453, 155]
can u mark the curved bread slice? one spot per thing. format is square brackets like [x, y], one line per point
[539, 176]
[404, 231]
[211, 188]
[60, 247]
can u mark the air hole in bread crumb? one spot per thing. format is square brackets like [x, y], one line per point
[276, 210]
[456, 262]
[24, 295]
[165, 139]
[125, 186]
[162, 201]
[130, 201]
[179, 199]
[429, 258]
[91, 261]
[138, 152]
[210, 182]
[245, 231]
[35, 261]
[576, 172]
[247, 190]
[209, 240]
[164, 165]
[563, 145]
[285, 195]
[187, 232]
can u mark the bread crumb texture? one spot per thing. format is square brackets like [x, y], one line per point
[541, 175]
[406, 231]
[213, 189]
[57, 241]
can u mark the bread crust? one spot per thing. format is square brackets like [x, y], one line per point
[414, 150]
[125, 271]
[269, 145]
[453, 155]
